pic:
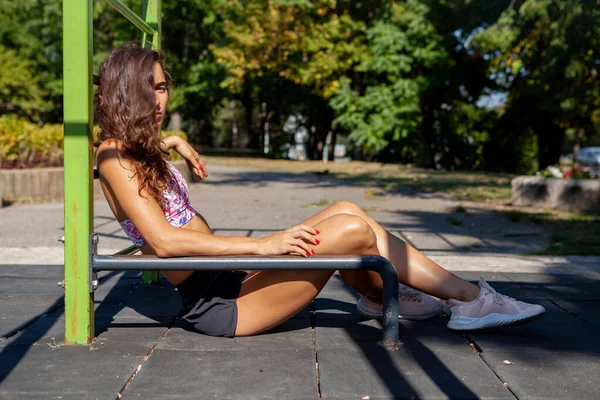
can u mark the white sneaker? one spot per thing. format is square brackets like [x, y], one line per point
[491, 310]
[412, 305]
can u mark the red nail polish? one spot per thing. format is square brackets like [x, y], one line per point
[318, 241]
[317, 231]
[312, 251]
[307, 254]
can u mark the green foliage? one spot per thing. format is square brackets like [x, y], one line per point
[570, 233]
[399, 51]
[32, 30]
[25, 145]
[20, 93]
[383, 114]
[400, 79]
[465, 129]
[545, 54]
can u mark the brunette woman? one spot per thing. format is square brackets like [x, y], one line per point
[149, 197]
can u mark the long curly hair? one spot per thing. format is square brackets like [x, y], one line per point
[126, 106]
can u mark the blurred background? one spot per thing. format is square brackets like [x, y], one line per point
[508, 86]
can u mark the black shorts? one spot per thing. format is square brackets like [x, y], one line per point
[209, 302]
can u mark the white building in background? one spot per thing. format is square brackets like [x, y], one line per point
[294, 126]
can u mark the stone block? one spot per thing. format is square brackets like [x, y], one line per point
[49, 182]
[564, 194]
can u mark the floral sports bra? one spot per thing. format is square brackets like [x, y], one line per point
[178, 209]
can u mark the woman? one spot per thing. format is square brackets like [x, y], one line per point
[150, 199]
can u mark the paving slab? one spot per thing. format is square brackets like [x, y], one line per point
[292, 334]
[433, 332]
[424, 367]
[587, 310]
[40, 371]
[425, 241]
[249, 374]
[32, 271]
[370, 371]
[557, 286]
[573, 337]
[129, 297]
[336, 301]
[17, 311]
[29, 286]
[543, 374]
[49, 329]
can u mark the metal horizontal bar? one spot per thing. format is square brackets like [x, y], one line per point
[376, 263]
[227, 263]
[131, 16]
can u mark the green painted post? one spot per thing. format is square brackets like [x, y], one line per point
[151, 14]
[78, 118]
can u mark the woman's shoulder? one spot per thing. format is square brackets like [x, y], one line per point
[111, 154]
[108, 145]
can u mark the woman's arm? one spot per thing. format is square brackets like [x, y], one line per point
[171, 142]
[185, 150]
[167, 241]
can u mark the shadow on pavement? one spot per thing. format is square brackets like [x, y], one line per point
[571, 326]
[119, 297]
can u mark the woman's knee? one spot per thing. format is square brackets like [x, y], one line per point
[356, 233]
[347, 207]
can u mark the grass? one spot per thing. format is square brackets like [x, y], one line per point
[320, 203]
[568, 233]
[381, 179]
[454, 221]
[459, 210]
[375, 209]
[471, 247]
[374, 194]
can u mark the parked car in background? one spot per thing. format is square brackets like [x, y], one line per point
[589, 156]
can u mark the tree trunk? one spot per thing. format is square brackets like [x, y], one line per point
[427, 159]
[331, 155]
[550, 139]
[248, 103]
[175, 121]
[234, 127]
[577, 146]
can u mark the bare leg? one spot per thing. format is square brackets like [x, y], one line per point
[268, 298]
[414, 269]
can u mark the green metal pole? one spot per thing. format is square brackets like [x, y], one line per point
[151, 14]
[78, 118]
[130, 15]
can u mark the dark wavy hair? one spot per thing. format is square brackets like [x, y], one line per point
[125, 109]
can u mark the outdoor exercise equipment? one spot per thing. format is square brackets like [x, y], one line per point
[82, 263]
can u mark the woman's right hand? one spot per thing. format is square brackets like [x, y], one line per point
[294, 241]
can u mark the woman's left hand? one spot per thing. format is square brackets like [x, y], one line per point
[191, 156]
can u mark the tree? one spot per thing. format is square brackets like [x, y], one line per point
[20, 93]
[31, 30]
[545, 55]
[382, 104]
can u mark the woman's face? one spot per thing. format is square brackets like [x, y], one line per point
[161, 93]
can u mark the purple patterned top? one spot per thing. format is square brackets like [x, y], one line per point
[178, 209]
